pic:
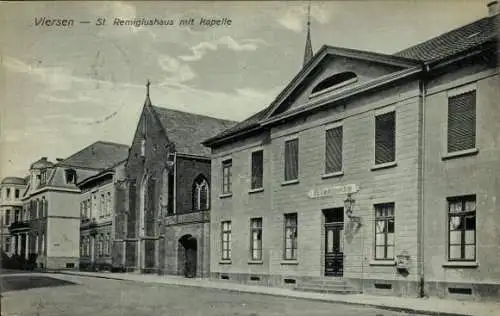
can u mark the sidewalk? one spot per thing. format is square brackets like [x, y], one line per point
[432, 306]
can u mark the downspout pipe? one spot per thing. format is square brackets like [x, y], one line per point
[421, 239]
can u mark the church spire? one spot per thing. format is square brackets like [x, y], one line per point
[148, 100]
[308, 52]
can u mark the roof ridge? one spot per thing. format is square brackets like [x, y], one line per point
[442, 34]
[155, 107]
[110, 143]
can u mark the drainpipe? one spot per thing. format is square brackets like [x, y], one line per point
[421, 239]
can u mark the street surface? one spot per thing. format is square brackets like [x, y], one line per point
[95, 297]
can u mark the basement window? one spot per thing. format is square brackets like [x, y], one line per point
[290, 281]
[334, 82]
[383, 286]
[460, 290]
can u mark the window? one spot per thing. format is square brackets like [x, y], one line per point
[108, 250]
[70, 176]
[256, 243]
[257, 169]
[290, 236]
[101, 206]
[43, 177]
[43, 243]
[7, 193]
[109, 206]
[385, 138]
[226, 240]
[226, 176]
[335, 81]
[333, 158]
[384, 231]
[462, 122]
[291, 160]
[39, 207]
[100, 245]
[200, 194]
[7, 244]
[16, 193]
[81, 209]
[462, 228]
[7, 217]
[143, 148]
[36, 243]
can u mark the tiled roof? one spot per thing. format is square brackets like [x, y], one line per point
[99, 155]
[187, 130]
[454, 41]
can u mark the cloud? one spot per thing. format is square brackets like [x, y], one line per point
[177, 72]
[202, 48]
[295, 17]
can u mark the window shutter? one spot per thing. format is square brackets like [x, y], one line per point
[462, 122]
[291, 159]
[385, 138]
[333, 159]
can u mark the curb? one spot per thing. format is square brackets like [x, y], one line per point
[379, 306]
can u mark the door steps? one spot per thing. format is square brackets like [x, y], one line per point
[335, 286]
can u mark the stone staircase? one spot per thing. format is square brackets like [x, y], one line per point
[333, 286]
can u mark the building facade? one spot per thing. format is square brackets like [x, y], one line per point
[97, 212]
[164, 223]
[52, 203]
[12, 216]
[375, 172]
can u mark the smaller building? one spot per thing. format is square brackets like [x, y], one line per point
[12, 216]
[52, 202]
[97, 212]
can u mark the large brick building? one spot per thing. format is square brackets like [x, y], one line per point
[369, 172]
[162, 221]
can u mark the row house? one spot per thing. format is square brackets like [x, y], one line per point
[12, 216]
[97, 212]
[369, 172]
[52, 199]
[162, 220]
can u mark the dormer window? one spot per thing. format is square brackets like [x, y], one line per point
[43, 177]
[334, 82]
[70, 176]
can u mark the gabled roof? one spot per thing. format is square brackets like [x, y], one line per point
[99, 155]
[188, 130]
[438, 48]
[454, 41]
[325, 50]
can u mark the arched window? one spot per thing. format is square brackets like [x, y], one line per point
[200, 194]
[334, 82]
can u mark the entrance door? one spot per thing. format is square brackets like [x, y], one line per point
[188, 255]
[334, 242]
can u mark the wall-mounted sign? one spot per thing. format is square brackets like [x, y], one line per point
[330, 191]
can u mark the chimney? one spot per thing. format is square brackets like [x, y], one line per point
[492, 8]
[44, 158]
[59, 159]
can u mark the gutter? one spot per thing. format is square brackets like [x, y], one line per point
[421, 209]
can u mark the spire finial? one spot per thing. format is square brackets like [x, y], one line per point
[309, 15]
[308, 53]
[148, 100]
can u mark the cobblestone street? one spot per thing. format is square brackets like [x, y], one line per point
[92, 296]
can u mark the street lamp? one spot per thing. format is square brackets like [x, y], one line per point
[349, 203]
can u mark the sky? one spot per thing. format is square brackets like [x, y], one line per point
[63, 88]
